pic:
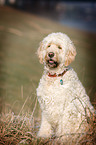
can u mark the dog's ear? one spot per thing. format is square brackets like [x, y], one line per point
[40, 52]
[71, 53]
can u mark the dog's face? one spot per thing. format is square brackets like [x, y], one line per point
[56, 50]
[53, 56]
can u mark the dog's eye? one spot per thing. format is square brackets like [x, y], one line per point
[59, 47]
[49, 45]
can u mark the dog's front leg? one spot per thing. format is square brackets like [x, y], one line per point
[45, 128]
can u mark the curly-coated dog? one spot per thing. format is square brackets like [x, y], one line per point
[63, 100]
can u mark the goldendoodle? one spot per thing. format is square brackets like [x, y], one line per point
[63, 100]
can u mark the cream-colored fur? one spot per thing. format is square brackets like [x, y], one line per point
[65, 106]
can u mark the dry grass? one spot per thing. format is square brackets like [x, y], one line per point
[16, 129]
[22, 129]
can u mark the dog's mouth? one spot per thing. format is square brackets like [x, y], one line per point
[52, 63]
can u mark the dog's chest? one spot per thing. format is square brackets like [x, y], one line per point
[51, 91]
[49, 86]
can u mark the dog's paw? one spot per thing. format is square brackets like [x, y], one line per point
[44, 134]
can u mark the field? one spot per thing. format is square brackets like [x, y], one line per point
[20, 71]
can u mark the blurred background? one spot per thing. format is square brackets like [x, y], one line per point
[23, 24]
[80, 14]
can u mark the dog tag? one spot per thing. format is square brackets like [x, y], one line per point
[61, 82]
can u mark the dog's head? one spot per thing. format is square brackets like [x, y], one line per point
[56, 50]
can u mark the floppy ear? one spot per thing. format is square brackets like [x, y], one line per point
[40, 52]
[71, 53]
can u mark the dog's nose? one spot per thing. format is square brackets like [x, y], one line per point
[51, 54]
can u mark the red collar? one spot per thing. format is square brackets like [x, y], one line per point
[55, 75]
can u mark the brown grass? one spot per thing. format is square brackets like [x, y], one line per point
[22, 129]
[16, 129]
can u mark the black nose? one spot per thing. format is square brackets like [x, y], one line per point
[51, 54]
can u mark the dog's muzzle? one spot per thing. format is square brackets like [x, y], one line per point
[51, 60]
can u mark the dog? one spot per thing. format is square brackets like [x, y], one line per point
[63, 100]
